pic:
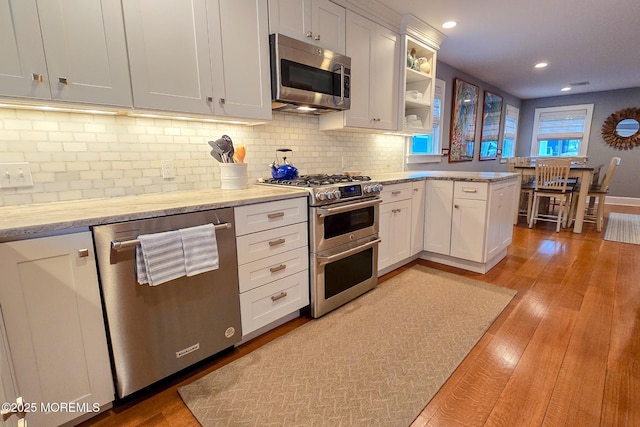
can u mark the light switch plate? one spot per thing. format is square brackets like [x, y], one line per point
[15, 175]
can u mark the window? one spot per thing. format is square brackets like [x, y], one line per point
[562, 131]
[431, 143]
[510, 132]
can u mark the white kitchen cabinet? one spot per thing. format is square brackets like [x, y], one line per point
[395, 225]
[64, 50]
[200, 56]
[417, 88]
[468, 224]
[319, 22]
[417, 217]
[374, 54]
[55, 329]
[273, 261]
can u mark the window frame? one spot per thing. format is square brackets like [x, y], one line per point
[510, 111]
[567, 109]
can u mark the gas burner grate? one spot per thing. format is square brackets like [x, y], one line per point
[316, 180]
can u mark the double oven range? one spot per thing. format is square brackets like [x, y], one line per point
[343, 237]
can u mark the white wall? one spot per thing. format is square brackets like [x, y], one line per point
[79, 156]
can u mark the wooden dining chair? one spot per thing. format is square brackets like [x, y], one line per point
[527, 187]
[598, 191]
[551, 183]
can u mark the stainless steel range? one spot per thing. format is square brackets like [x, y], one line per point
[343, 231]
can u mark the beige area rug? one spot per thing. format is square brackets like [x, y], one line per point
[623, 228]
[376, 361]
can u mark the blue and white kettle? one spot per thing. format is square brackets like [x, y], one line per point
[285, 171]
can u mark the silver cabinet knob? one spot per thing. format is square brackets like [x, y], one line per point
[209, 98]
[222, 101]
[309, 34]
[63, 80]
[83, 253]
[37, 77]
[317, 37]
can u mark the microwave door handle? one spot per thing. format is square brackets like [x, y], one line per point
[340, 67]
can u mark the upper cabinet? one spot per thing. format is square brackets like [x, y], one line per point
[64, 50]
[318, 22]
[200, 56]
[374, 56]
[417, 89]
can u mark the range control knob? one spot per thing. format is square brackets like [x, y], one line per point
[336, 194]
[329, 195]
[321, 195]
[378, 187]
[366, 189]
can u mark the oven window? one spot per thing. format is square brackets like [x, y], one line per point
[348, 222]
[347, 272]
[312, 79]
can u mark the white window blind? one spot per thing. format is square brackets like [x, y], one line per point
[562, 124]
[510, 131]
[561, 131]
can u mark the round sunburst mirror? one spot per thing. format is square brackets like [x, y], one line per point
[621, 130]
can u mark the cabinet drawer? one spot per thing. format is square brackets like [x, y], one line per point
[270, 302]
[470, 190]
[253, 247]
[391, 193]
[262, 271]
[263, 216]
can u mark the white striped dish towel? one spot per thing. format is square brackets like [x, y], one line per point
[159, 258]
[200, 249]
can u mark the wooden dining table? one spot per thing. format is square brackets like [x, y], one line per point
[586, 174]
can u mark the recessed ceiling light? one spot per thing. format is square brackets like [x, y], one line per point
[449, 24]
[565, 89]
[541, 65]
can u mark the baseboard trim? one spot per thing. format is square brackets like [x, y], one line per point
[623, 201]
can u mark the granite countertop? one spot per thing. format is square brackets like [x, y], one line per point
[399, 177]
[19, 221]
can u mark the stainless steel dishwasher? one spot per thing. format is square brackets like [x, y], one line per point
[156, 331]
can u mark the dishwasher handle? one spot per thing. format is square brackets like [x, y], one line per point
[128, 244]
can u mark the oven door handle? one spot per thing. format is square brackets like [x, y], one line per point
[322, 212]
[323, 260]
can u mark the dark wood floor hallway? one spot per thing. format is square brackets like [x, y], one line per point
[565, 352]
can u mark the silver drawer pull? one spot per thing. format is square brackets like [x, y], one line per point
[83, 253]
[395, 193]
[469, 190]
[281, 295]
[278, 268]
[37, 77]
[63, 80]
[275, 215]
[276, 242]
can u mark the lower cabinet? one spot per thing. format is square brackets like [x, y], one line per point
[273, 261]
[395, 225]
[468, 224]
[55, 332]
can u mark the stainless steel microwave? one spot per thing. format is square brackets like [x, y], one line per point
[307, 78]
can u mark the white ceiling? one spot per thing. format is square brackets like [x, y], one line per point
[499, 42]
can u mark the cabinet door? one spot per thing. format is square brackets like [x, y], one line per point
[21, 51]
[500, 218]
[239, 39]
[401, 234]
[417, 217]
[8, 387]
[328, 25]
[468, 225]
[384, 96]
[385, 248]
[360, 36]
[437, 220]
[53, 316]
[291, 18]
[85, 50]
[169, 53]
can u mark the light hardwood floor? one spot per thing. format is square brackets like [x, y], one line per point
[565, 352]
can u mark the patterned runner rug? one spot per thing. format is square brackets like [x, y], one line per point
[376, 361]
[623, 228]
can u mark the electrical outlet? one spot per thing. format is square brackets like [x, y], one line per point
[168, 171]
[14, 175]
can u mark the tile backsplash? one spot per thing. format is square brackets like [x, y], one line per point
[80, 156]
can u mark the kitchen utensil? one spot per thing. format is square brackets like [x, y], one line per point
[238, 156]
[224, 147]
[286, 170]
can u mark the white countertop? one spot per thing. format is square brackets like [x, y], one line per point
[398, 177]
[21, 220]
